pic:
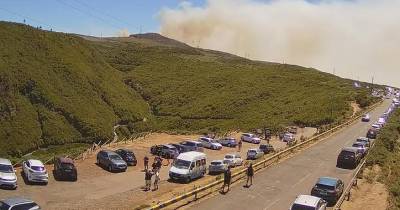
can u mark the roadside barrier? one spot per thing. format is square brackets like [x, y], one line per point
[266, 162]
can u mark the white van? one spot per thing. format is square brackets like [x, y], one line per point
[188, 166]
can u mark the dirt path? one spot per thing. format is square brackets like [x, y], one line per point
[100, 189]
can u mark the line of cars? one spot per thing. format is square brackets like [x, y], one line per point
[328, 190]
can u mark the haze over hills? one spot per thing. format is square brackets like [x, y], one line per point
[57, 88]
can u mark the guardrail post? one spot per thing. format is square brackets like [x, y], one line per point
[355, 183]
[348, 195]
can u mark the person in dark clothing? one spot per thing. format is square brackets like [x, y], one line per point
[147, 177]
[250, 174]
[146, 163]
[158, 164]
[240, 145]
[227, 179]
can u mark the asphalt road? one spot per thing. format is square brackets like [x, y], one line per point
[276, 188]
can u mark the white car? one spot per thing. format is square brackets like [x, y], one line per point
[210, 143]
[308, 202]
[376, 126]
[35, 171]
[7, 174]
[366, 118]
[249, 137]
[233, 160]
[288, 137]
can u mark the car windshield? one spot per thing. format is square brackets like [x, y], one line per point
[301, 207]
[6, 168]
[38, 168]
[347, 153]
[216, 163]
[325, 187]
[182, 164]
[115, 157]
[358, 145]
[228, 156]
[67, 166]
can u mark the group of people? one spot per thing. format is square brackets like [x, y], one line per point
[156, 166]
[228, 178]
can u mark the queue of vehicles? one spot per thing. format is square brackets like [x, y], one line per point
[328, 190]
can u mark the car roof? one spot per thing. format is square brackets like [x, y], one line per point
[190, 155]
[328, 181]
[4, 161]
[66, 160]
[35, 162]
[307, 200]
[16, 200]
[350, 149]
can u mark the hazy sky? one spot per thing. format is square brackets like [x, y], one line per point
[357, 39]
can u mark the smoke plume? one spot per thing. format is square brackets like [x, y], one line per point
[355, 39]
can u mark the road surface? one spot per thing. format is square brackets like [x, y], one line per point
[276, 188]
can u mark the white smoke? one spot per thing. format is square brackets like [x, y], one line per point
[123, 33]
[359, 39]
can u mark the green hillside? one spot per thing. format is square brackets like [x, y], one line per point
[57, 88]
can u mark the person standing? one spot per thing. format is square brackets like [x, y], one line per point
[156, 180]
[146, 163]
[250, 174]
[239, 145]
[147, 178]
[227, 179]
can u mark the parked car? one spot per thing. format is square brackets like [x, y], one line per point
[233, 160]
[35, 171]
[228, 142]
[192, 146]
[362, 148]
[128, 156]
[349, 156]
[249, 137]
[18, 203]
[328, 188]
[253, 154]
[308, 202]
[266, 148]
[292, 129]
[210, 143]
[165, 150]
[217, 167]
[366, 118]
[180, 148]
[64, 169]
[366, 140]
[8, 179]
[372, 133]
[376, 126]
[188, 166]
[111, 161]
[288, 137]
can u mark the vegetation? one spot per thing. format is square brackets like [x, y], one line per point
[386, 154]
[58, 89]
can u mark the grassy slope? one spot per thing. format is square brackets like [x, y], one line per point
[386, 154]
[57, 88]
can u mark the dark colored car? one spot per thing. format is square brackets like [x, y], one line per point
[64, 169]
[372, 133]
[111, 161]
[328, 188]
[165, 150]
[192, 146]
[128, 156]
[181, 148]
[266, 148]
[228, 142]
[349, 156]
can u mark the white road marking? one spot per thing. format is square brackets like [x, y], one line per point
[301, 180]
[271, 204]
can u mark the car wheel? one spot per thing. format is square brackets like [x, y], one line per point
[109, 168]
[187, 179]
[229, 145]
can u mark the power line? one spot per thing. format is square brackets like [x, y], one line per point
[89, 14]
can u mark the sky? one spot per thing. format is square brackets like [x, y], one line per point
[89, 17]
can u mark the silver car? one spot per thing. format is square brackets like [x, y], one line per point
[18, 203]
[8, 178]
[217, 167]
[253, 154]
[210, 143]
[111, 161]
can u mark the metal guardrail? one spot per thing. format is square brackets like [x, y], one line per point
[264, 163]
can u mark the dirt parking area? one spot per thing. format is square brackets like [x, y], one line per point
[97, 188]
